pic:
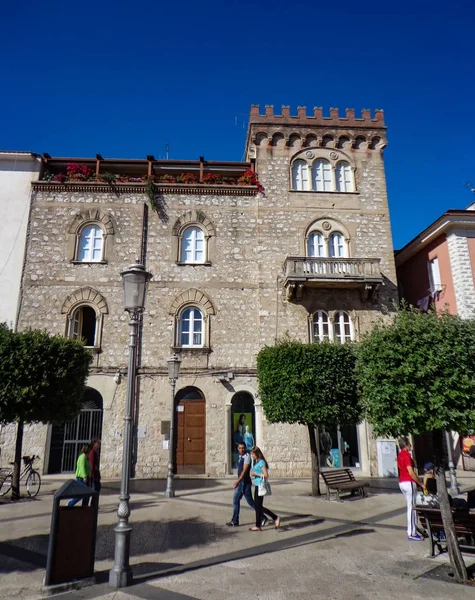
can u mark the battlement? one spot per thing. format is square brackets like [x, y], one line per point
[302, 118]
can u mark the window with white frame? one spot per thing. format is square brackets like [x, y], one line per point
[317, 245]
[300, 176]
[343, 177]
[193, 249]
[336, 245]
[321, 327]
[83, 325]
[322, 176]
[337, 328]
[342, 327]
[191, 330]
[326, 176]
[91, 244]
[434, 275]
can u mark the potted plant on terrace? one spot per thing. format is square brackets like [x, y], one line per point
[168, 178]
[109, 178]
[249, 177]
[187, 178]
[77, 172]
[212, 178]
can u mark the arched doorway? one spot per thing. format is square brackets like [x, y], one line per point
[67, 439]
[190, 449]
[243, 423]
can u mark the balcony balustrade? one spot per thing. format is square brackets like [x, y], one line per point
[302, 271]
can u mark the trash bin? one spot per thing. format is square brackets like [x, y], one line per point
[72, 542]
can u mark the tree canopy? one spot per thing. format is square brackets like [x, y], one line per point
[42, 376]
[418, 374]
[310, 384]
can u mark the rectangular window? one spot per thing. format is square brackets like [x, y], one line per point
[434, 275]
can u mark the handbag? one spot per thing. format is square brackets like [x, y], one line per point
[264, 488]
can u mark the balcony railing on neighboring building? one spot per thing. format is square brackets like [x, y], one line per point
[303, 271]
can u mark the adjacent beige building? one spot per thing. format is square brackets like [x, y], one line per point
[294, 241]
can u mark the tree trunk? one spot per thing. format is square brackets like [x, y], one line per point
[17, 462]
[315, 461]
[455, 555]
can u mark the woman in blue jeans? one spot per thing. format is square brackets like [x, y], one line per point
[83, 472]
[260, 470]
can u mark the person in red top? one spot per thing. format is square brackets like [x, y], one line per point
[408, 479]
[95, 478]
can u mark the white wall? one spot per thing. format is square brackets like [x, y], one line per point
[17, 171]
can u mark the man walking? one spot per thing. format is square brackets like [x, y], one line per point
[243, 484]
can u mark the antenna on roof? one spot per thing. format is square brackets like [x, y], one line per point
[166, 151]
[241, 122]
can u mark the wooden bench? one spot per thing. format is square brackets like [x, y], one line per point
[464, 521]
[341, 481]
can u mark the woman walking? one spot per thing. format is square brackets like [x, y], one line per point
[260, 471]
[83, 472]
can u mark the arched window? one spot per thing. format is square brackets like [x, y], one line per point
[193, 246]
[338, 328]
[191, 328]
[342, 328]
[321, 327]
[316, 244]
[322, 176]
[336, 245]
[91, 244]
[300, 176]
[344, 177]
[83, 325]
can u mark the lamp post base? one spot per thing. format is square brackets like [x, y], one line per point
[120, 579]
[169, 494]
[121, 573]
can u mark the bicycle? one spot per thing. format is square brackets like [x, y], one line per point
[33, 479]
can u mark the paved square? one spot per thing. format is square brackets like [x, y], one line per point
[182, 549]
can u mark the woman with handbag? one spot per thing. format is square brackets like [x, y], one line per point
[260, 475]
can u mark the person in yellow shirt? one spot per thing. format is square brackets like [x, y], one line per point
[83, 472]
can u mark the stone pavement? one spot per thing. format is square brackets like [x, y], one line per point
[182, 549]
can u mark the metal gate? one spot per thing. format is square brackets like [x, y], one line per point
[84, 428]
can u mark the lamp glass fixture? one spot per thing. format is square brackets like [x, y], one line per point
[173, 366]
[135, 280]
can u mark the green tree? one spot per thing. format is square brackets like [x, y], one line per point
[309, 384]
[43, 379]
[417, 375]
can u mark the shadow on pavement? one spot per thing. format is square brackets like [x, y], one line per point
[150, 486]
[148, 537]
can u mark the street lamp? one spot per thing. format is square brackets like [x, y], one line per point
[173, 372]
[135, 280]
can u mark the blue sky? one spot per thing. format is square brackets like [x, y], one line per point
[124, 79]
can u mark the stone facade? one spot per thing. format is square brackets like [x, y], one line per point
[241, 288]
[462, 272]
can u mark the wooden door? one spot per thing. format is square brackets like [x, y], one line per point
[191, 437]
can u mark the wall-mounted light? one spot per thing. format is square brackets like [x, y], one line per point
[118, 377]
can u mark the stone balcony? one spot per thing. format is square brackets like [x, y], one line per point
[306, 271]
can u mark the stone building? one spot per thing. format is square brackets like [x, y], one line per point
[296, 241]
